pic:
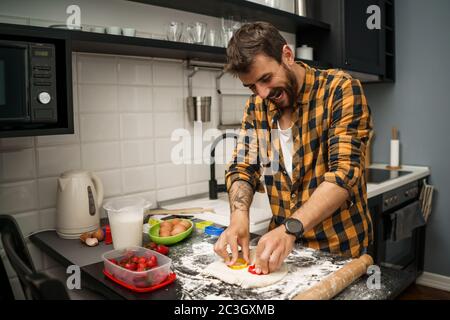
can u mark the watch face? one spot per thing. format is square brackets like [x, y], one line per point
[293, 226]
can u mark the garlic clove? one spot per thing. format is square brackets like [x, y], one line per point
[91, 242]
[85, 235]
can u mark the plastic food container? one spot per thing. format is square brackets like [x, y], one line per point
[142, 279]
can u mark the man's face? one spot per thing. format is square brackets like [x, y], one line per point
[269, 79]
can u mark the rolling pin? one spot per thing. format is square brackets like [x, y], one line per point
[337, 281]
[178, 211]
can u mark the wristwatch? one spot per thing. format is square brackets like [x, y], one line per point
[294, 227]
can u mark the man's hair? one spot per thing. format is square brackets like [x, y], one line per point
[252, 39]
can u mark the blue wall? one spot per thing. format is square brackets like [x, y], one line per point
[418, 104]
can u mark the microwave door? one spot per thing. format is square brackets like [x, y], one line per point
[14, 106]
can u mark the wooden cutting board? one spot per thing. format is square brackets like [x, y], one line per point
[187, 211]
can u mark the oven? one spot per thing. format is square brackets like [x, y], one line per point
[399, 229]
[27, 84]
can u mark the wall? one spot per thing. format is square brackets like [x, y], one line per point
[418, 105]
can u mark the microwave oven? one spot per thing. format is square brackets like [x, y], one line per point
[27, 84]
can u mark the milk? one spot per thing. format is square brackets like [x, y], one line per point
[126, 228]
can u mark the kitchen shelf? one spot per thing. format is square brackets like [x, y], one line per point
[241, 9]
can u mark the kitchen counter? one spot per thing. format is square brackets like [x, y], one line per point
[417, 173]
[307, 267]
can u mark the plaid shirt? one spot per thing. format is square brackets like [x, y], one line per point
[331, 126]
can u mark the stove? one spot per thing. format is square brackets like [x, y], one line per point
[381, 175]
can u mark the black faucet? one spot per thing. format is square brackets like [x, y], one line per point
[215, 188]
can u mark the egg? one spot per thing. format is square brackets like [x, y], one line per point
[164, 233]
[175, 221]
[178, 229]
[165, 224]
[185, 223]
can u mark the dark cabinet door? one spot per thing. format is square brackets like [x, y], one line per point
[363, 48]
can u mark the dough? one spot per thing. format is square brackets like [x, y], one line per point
[242, 277]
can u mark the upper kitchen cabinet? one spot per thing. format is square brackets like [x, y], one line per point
[355, 43]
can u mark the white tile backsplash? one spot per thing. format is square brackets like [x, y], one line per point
[99, 127]
[137, 152]
[16, 143]
[52, 161]
[136, 125]
[170, 175]
[97, 98]
[135, 99]
[47, 192]
[18, 197]
[167, 73]
[98, 69]
[125, 111]
[167, 99]
[17, 165]
[166, 123]
[138, 179]
[112, 182]
[100, 156]
[47, 219]
[135, 71]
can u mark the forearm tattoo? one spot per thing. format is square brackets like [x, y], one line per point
[240, 195]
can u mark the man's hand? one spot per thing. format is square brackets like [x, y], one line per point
[272, 249]
[236, 234]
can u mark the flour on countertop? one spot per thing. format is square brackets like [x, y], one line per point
[306, 268]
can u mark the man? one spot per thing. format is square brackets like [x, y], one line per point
[307, 130]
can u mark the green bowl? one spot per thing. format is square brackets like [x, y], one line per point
[154, 234]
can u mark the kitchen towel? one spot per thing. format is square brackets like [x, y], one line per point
[405, 220]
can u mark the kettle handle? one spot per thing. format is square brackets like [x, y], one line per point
[99, 187]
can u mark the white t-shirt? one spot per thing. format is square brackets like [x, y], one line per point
[287, 146]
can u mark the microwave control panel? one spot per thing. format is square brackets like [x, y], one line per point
[42, 82]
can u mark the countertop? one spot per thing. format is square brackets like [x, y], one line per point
[307, 267]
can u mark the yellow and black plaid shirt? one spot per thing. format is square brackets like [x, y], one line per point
[331, 126]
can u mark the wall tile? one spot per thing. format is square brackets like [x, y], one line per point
[138, 179]
[53, 140]
[97, 69]
[170, 175]
[204, 79]
[28, 222]
[47, 219]
[47, 191]
[164, 149]
[100, 156]
[168, 99]
[170, 193]
[99, 127]
[135, 126]
[17, 165]
[52, 161]
[16, 143]
[137, 153]
[167, 73]
[111, 181]
[18, 197]
[197, 188]
[97, 98]
[135, 99]
[135, 71]
[197, 173]
[166, 123]
[149, 196]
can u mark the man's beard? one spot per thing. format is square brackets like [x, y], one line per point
[290, 88]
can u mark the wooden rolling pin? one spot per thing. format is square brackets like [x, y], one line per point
[178, 211]
[337, 281]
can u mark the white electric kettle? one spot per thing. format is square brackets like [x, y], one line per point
[79, 199]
